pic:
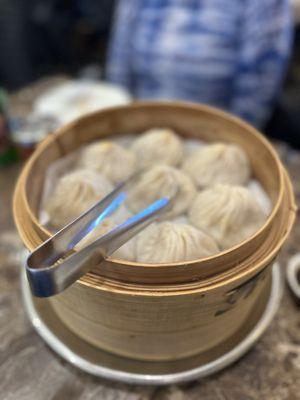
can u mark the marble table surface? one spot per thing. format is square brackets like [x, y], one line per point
[29, 370]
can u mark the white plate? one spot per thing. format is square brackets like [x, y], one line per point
[105, 365]
[73, 99]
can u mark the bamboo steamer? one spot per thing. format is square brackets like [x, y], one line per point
[164, 311]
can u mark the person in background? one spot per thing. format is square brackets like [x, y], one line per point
[229, 53]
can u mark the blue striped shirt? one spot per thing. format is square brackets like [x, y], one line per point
[227, 53]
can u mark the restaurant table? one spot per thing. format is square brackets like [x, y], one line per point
[29, 370]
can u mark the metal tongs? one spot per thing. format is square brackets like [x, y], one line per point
[55, 265]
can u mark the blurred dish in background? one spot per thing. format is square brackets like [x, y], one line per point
[76, 98]
[26, 133]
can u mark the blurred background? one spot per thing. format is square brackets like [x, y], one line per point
[56, 55]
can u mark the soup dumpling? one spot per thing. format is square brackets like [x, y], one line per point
[158, 146]
[158, 182]
[110, 159]
[218, 163]
[230, 214]
[75, 193]
[166, 242]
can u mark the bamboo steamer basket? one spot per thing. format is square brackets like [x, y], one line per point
[164, 311]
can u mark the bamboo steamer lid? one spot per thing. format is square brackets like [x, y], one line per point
[140, 310]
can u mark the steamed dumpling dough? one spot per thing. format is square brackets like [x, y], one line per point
[173, 242]
[158, 182]
[125, 252]
[111, 159]
[158, 146]
[75, 193]
[230, 214]
[218, 163]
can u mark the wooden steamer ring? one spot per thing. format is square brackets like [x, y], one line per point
[164, 311]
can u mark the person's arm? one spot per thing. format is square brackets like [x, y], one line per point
[119, 53]
[264, 49]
